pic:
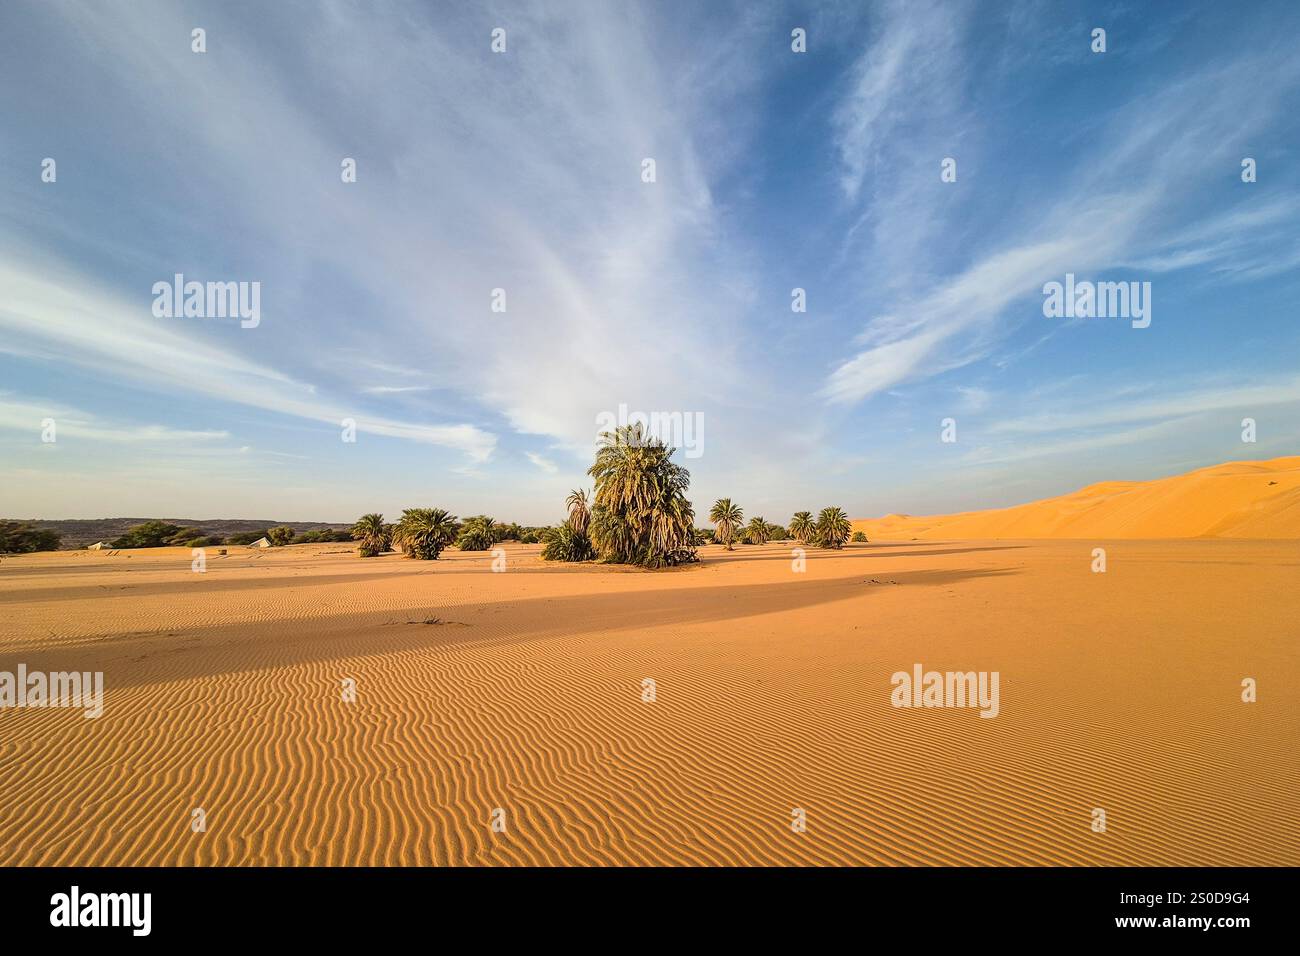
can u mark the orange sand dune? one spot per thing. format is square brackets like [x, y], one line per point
[522, 691]
[1242, 499]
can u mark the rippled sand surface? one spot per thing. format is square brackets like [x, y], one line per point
[518, 697]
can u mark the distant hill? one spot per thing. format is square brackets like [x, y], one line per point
[1240, 499]
[80, 532]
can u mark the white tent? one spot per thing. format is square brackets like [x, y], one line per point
[261, 543]
[99, 546]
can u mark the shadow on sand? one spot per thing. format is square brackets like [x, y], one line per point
[181, 653]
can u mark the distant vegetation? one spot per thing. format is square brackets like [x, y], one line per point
[158, 534]
[279, 536]
[163, 534]
[638, 514]
[80, 532]
[830, 530]
[323, 535]
[23, 537]
[761, 531]
[246, 537]
[479, 533]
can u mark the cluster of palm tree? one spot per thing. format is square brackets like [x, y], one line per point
[373, 537]
[480, 533]
[638, 513]
[423, 532]
[831, 529]
[570, 541]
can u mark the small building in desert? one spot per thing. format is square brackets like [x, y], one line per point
[261, 543]
[99, 546]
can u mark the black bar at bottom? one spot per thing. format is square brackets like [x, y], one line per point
[214, 906]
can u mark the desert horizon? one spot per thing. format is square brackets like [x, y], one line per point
[1207, 502]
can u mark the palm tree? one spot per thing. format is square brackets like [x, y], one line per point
[802, 526]
[728, 518]
[564, 543]
[424, 532]
[373, 535]
[640, 514]
[757, 532]
[477, 534]
[579, 510]
[833, 528]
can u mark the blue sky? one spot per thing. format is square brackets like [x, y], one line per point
[522, 171]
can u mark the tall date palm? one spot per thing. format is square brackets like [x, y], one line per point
[640, 514]
[579, 510]
[727, 517]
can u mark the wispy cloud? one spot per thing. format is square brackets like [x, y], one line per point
[97, 329]
[1118, 206]
[29, 418]
[545, 464]
[393, 389]
[1168, 404]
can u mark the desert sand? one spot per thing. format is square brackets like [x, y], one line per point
[522, 691]
[1243, 499]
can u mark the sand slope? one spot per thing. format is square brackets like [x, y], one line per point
[522, 691]
[1245, 499]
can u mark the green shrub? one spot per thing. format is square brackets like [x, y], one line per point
[565, 544]
[150, 534]
[245, 537]
[280, 535]
[23, 537]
